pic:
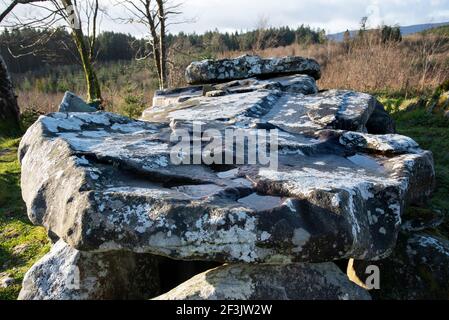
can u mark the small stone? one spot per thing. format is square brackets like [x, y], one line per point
[216, 93]
[7, 282]
[68, 274]
[21, 248]
[73, 103]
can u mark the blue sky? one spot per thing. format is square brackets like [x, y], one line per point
[332, 15]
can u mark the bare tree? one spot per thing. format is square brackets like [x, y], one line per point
[55, 13]
[155, 16]
[266, 36]
[13, 4]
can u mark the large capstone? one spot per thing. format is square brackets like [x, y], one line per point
[246, 66]
[269, 282]
[104, 182]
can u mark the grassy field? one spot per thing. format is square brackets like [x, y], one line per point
[21, 243]
[431, 131]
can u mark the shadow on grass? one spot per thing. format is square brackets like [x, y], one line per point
[6, 258]
[11, 203]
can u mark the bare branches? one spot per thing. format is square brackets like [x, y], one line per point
[54, 14]
[154, 14]
[13, 4]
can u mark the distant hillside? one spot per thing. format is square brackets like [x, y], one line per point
[404, 30]
[442, 31]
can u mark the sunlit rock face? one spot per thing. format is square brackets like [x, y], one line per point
[73, 103]
[105, 183]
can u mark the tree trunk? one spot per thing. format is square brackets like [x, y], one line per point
[93, 86]
[156, 46]
[157, 61]
[162, 44]
[9, 110]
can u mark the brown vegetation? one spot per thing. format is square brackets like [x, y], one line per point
[414, 66]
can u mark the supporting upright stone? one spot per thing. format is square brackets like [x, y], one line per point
[417, 270]
[269, 282]
[68, 274]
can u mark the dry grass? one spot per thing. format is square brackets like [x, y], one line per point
[39, 101]
[416, 65]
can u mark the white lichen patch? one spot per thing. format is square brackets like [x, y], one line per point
[384, 143]
[236, 240]
[300, 239]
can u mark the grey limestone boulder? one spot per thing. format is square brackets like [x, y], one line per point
[246, 66]
[104, 182]
[111, 188]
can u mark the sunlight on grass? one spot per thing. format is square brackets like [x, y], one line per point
[21, 243]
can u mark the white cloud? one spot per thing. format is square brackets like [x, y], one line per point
[331, 15]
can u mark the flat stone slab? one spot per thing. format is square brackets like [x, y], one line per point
[269, 282]
[291, 112]
[293, 84]
[246, 66]
[337, 109]
[103, 182]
